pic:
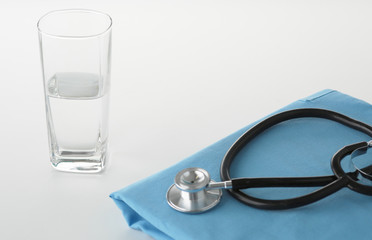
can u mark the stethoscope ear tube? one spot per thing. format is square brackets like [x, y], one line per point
[332, 183]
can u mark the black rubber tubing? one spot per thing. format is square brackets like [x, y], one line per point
[331, 183]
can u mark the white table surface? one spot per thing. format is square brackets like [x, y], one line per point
[184, 75]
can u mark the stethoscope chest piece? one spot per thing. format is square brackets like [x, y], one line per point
[189, 193]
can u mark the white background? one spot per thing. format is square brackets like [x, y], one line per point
[184, 74]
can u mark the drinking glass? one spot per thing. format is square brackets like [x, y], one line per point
[75, 46]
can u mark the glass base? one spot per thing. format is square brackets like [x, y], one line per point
[78, 163]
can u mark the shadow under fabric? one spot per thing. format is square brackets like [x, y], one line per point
[295, 148]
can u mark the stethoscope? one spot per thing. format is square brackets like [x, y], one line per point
[193, 191]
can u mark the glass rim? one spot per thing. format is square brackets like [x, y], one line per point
[74, 10]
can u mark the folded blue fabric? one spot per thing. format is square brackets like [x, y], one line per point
[299, 147]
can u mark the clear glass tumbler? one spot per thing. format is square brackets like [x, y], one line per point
[75, 47]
